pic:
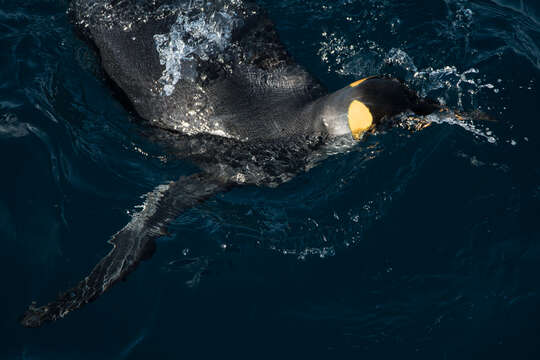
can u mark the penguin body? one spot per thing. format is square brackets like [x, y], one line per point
[215, 86]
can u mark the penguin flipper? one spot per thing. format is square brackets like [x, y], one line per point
[131, 245]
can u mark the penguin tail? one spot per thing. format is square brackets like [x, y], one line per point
[131, 245]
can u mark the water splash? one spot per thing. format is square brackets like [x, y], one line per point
[467, 125]
[199, 36]
[446, 84]
[322, 252]
[400, 58]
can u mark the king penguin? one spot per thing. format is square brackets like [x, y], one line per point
[214, 85]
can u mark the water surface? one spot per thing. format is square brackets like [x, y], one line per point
[421, 245]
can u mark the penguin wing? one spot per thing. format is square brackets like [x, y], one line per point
[197, 66]
[131, 245]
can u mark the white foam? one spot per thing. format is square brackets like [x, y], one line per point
[468, 125]
[400, 58]
[199, 36]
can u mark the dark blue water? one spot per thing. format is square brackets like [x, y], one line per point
[416, 245]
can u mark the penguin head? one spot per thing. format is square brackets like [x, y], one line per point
[371, 104]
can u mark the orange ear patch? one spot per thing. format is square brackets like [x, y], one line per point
[358, 82]
[360, 118]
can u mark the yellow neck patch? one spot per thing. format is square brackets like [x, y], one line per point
[360, 118]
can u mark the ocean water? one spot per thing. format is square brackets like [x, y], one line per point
[418, 245]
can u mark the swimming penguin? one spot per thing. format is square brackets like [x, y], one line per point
[215, 86]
